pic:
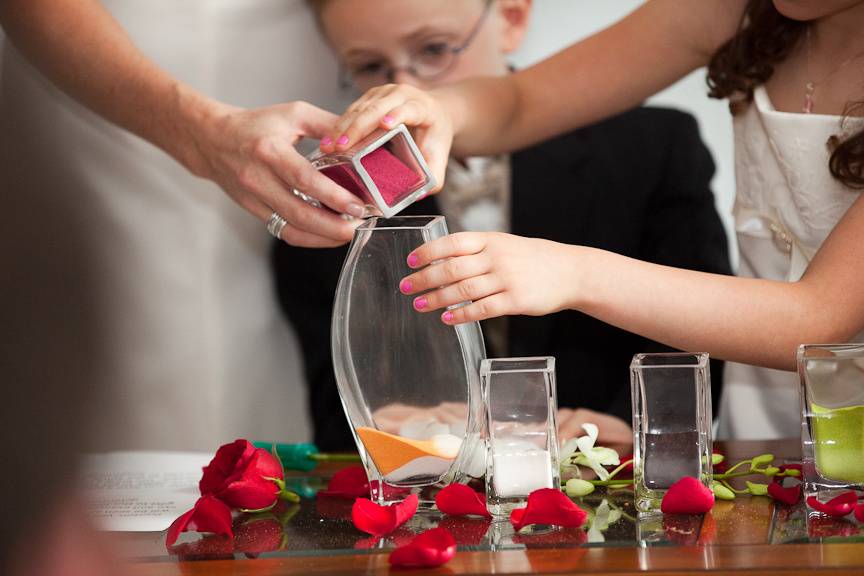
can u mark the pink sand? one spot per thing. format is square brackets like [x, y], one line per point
[393, 178]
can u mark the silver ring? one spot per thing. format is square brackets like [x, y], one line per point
[275, 225]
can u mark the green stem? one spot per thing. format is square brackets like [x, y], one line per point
[618, 469]
[727, 475]
[335, 457]
[738, 465]
[611, 482]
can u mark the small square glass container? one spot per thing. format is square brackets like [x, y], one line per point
[832, 418]
[521, 442]
[385, 170]
[671, 395]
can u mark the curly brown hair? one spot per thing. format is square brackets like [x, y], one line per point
[764, 39]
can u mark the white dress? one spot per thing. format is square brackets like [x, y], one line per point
[786, 205]
[192, 348]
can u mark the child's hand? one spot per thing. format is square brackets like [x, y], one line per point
[392, 104]
[502, 274]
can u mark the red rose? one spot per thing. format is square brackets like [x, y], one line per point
[243, 476]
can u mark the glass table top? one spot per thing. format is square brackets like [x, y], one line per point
[322, 526]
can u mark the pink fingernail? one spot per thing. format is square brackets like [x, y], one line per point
[342, 140]
[388, 119]
[447, 316]
[420, 303]
[405, 286]
[326, 141]
[412, 260]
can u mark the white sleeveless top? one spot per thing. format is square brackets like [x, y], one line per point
[193, 349]
[786, 205]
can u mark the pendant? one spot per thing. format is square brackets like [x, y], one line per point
[808, 97]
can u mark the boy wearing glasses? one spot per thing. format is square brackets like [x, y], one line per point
[637, 184]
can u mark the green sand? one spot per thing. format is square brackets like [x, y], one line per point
[838, 437]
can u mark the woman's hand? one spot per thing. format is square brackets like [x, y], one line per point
[501, 274]
[614, 432]
[386, 106]
[251, 155]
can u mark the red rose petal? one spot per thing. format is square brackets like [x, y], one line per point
[548, 506]
[859, 512]
[460, 500]
[687, 496]
[378, 520]
[430, 549]
[787, 495]
[837, 507]
[208, 515]
[349, 483]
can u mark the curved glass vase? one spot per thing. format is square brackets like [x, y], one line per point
[409, 384]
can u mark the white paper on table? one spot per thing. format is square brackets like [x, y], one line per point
[140, 491]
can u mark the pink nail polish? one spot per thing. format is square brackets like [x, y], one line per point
[420, 303]
[405, 286]
[412, 260]
[388, 119]
[326, 141]
[342, 140]
[447, 316]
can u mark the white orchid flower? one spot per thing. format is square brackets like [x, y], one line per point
[581, 451]
[604, 516]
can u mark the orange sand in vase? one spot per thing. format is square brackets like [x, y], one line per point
[401, 459]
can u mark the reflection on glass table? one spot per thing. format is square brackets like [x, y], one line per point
[323, 526]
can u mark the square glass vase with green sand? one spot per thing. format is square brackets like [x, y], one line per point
[832, 418]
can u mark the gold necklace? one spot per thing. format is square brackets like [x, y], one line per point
[811, 85]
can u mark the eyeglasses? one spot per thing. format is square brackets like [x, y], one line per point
[431, 60]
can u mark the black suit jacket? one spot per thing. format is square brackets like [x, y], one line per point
[636, 184]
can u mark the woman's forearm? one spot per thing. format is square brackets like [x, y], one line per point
[745, 320]
[79, 46]
[249, 153]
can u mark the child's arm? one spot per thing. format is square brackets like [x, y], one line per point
[741, 319]
[607, 73]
